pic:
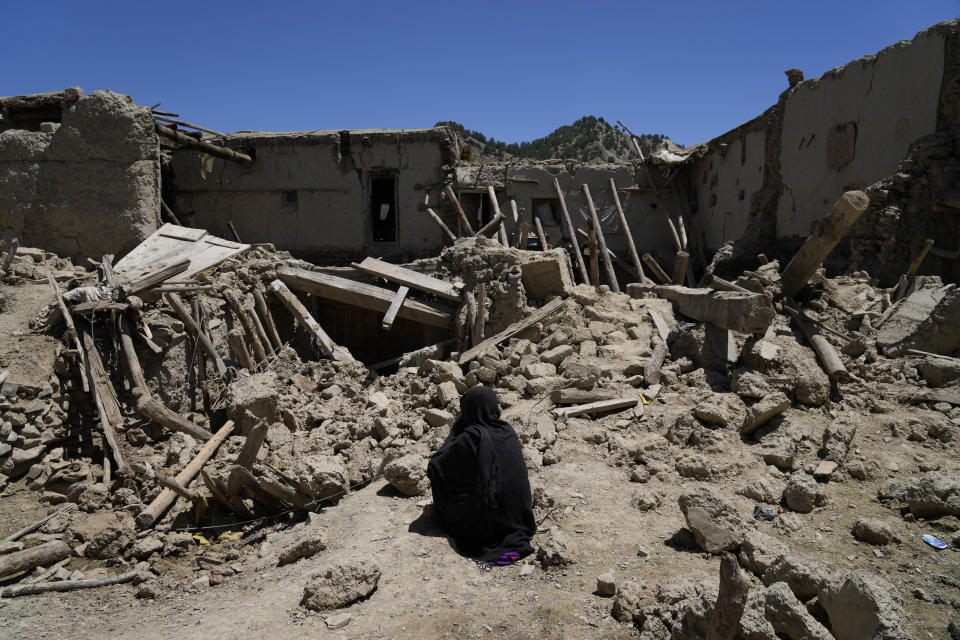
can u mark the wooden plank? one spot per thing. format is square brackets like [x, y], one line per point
[181, 233]
[632, 248]
[659, 323]
[300, 313]
[456, 205]
[365, 296]
[512, 330]
[602, 241]
[571, 233]
[267, 316]
[597, 407]
[391, 314]
[105, 399]
[409, 278]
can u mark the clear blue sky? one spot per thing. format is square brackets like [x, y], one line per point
[513, 70]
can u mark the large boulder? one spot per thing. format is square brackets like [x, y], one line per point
[837, 437]
[252, 398]
[790, 618]
[408, 475]
[864, 607]
[925, 320]
[303, 544]
[802, 493]
[934, 494]
[321, 476]
[804, 577]
[715, 522]
[337, 585]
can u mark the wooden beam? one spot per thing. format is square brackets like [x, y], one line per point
[744, 312]
[602, 241]
[680, 266]
[71, 329]
[105, 399]
[240, 352]
[725, 285]
[391, 313]
[200, 145]
[571, 232]
[189, 126]
[580, 396]
[446, 230]
[65, 585]
[828, 232]
[456, 205]
[155, 411]
[497, 214]
[134, 370]
[363, 295]
[177, 304]
[165, 500]
[523, 235]
[491, 226]
[541, 313]
[253, 338]
[828, 356]
[409, 278]
[541, 236]
[261, 304]
[303, 317]
[656, 269]
[596, 407]
[631, 247]
[27, 559]
[623, 264]
[594, 254]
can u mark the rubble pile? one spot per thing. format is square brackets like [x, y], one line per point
[208, 407]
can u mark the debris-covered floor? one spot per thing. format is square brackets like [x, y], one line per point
[234, 439]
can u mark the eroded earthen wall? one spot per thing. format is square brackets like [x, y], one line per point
[88, 188]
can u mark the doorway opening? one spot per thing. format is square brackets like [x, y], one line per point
[383, 208]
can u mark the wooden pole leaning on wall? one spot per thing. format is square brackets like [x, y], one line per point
[541, 236]
[680, 266]
[656, 269]
[149, 516]
[460, 213]
[631, 247]
[200, 145]
[170, 214]
[623, 264]
[443, 227]
[607, 265]
[264, 311]
[177, 304]
[522, 235]
[496, 212]
[594, 255]
[571, 233]
[491, 226]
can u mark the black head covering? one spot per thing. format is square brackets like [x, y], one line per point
[479, 406]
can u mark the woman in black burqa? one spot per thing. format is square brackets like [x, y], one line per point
[481, 493]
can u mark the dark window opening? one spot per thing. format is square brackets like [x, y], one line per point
[478, 208]
[741, 194]
[289, 202]
[383, 208]
[547, 210]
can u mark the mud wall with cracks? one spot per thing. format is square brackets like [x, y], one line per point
[311, 192]
[88, 187]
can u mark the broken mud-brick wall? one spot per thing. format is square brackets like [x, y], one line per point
[768, 180]
[323, 195]
[85, 181]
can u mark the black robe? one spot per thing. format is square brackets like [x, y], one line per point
[481, 493]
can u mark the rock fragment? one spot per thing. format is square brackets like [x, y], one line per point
[716, 524]
[337, 585]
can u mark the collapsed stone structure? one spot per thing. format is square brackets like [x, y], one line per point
[204, 385]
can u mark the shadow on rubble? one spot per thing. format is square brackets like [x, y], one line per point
[426, 526]
[683, 540]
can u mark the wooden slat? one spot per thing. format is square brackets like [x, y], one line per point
[511, 331]
[365, 296]
[409, 278]
[391, 314]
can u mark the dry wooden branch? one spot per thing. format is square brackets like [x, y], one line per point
[200, 145]
[27, 559]
[267, 317]
[16, 535]
[155, 411]
[65, 585]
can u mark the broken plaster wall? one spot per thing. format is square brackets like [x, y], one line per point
[846, 130]
[527, 182]
[88, 187]
[309, 192]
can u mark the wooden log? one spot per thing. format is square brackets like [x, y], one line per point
[233, 230]
[600, 406]
[443, 227]
[541, 236]
[594, 255]
[602, 241]
[303, 317]
[185, 317]
[105, 400]
[656, 269]
[276, 489]
[491, 226]
[252, 445]
[165, 480]
[224, 494]
[828, 232]
[571, 233]
[460, 213]
[188, 125]
[620, 262]
[155, 411]
[651, 369]
[11, 252]
[515, 328]
[724, 285]
[580, 396]
[261, 331]
[514, 213]
[496, 211]
[523, 235]
[261, 305]
[170, 214]
[680, 266]
[828, 356]
[162, 502]
[364, 295]
[71, 329]
[200, 145]
[631, 247]
[132, 362]
[744, 312]
[249, 329]
[480, 319]
[387, 323]
[194, 353]
[65, 585]
[408, 278]
[18, 561]
[16, 535]
[239, 348]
